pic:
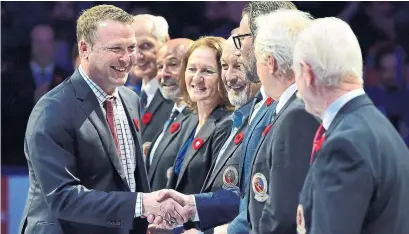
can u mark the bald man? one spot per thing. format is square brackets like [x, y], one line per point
[151, 33]
[180, 124]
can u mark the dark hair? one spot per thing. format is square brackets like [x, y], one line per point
[259, 8]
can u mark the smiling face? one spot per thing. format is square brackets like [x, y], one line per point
[110, 59]
[145, 66]
[201, 75]
[238, 89]
[169, 62]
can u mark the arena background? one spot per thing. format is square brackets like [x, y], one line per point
[382, 29]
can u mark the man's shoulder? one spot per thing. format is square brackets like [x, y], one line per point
[129, 94]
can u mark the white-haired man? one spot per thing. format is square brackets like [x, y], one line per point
[280, 162]
[150, 32]
[358, 180]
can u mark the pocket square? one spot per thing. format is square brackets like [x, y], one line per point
[136, 123]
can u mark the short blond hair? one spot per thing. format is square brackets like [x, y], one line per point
[158, 25]
[87, 23]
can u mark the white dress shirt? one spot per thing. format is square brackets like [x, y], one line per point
[334, 108]
[259, 104]
[150, 89]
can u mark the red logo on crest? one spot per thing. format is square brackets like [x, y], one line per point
[136, 123]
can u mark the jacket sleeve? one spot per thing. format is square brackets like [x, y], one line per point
[49, 145]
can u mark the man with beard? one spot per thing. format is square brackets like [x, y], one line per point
[150, 32]
[177, 128]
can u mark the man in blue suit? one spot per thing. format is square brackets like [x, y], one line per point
[358, 179]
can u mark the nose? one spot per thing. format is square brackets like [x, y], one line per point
[139, 54]
[231, 77]
[197, 77]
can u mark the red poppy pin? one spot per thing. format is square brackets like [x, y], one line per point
[146, 118]
[197, 143]
[174, 127]
[269, 101]
[136, 123]
[266, 130]
[239, 138]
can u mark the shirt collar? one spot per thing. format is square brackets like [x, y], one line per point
[99, 93]
[263, 93]
[334, 108]
[178, 108]
[288, 93]
[37, 69]
[151, 87]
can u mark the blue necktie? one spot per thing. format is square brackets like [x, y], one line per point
[172, 117]
[144, 101]
[182, 152]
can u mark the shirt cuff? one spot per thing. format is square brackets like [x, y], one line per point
[138, 205]
[196, 219]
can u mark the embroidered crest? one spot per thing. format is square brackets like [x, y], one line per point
[197, 143]
[230, 177]
[174, 127]
[259, 184]
[169, 172]
[300, 220]
[146, 118]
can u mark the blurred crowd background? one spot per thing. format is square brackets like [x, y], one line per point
[381, 27]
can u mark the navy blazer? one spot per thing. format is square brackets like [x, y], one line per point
[160, 108]
[160, 170]
[77, 184]
[359, 181]
[278, 170]
[196, 163]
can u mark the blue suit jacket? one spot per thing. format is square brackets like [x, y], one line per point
[359, 181]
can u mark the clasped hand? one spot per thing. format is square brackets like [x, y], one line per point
[166, 209]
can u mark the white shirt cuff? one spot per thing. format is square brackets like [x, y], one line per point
[138, 205]
[196, 219]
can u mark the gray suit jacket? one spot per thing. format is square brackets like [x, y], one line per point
[77, 184]
[279, 168]
[160, 108]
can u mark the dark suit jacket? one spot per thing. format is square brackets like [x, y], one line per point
[77, 184]
[224, 175]
[17, 104]
[282, 158]
[196, 163]
[358, 182]
[160, 108]
[168, 149]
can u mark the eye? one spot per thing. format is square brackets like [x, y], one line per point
[146, 46]
[209, 71]
[114, 49]
[160, 66]
[173, 64]
[191, 69]
[132, 48]
[225, 66]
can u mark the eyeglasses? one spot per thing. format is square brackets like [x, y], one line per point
[237, 39]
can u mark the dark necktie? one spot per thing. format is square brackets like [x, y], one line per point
[144, 101]
[109, 107]
[172, 117]
[318, 140]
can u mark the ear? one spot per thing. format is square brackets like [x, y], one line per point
[307, 74]
[84, 49]
[272, 64]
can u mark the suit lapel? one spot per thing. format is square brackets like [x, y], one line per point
[129, 110]
[231, 148]
[292, 98]
[191, 122]
[94, 112]
[153, 106]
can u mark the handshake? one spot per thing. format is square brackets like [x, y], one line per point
[166, 208]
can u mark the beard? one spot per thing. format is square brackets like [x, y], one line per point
[169, 94]
[239, 99]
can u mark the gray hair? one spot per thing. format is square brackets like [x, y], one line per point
[278, 34]
[259, 8]
[331, 49]
[159, 26]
